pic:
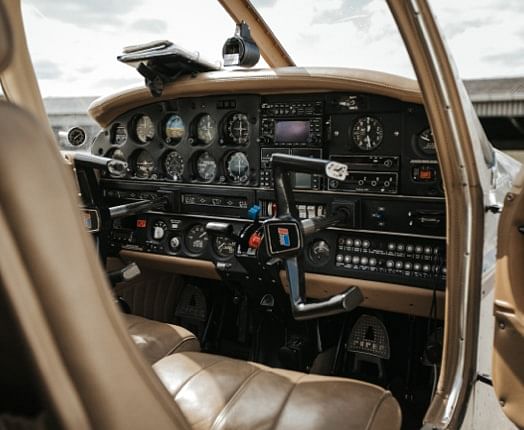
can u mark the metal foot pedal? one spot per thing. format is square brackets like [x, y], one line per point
[369, 342]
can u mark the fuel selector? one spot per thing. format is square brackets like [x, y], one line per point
[319, 252]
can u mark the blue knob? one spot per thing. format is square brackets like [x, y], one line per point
[253, 212]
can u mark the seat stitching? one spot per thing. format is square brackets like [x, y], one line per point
[181, 342]
[376, 408]
[227, 407]
[288, 396]
[195, 374]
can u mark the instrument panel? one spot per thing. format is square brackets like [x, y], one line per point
[211, 156]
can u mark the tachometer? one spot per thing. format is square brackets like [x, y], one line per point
[237, 167]
[144, 165]
[224, 246]
[174, 129]
[174, 165]
[426, 143]
[367, 133]
[236, 129]
[206, 128]
[206, 167]
[144, 129]
[196, 239]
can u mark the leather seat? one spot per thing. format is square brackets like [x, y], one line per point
[222, 393]
[158, 339]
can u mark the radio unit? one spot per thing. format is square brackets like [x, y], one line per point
[291, 131]
[292, 109]
[368, 174]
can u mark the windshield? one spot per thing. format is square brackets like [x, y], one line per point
[354, 33]
[74, 44]
[486, 37]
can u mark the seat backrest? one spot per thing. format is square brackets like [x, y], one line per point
[57, 288]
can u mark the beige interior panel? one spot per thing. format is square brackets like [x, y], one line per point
[288, 79]
[179, 265]
[377, 295]
[6, 43]
[508, 353]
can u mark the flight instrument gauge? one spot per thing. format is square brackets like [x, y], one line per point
[206, 167]
[174, 165]
[144, 129]
[119, 134]
[367, 133]
[174, 129]
[196, 239]
[237, 167]
[237, 129]
[144, 165]
[425, 142]
[206, 129]
[224, 246]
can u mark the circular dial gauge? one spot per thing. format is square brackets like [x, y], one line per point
[319, 252]
[206, 167]
[237, 129]
[119, 134]
[367, 133]
[174, 165]
[196, 239]
[237, 166]
[144, 129]
[206, 129]
[426, 143]
[224, 246]
[174, 129]
[144, 165]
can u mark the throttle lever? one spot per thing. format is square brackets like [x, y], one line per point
[127, 273]
[134, 208]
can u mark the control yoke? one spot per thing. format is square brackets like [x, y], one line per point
[285, 234]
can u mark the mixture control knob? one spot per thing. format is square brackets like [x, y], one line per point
[174, 243]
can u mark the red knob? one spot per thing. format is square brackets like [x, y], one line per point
[254, 241]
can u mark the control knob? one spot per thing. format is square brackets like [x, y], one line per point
[174, 243]
[159, 230]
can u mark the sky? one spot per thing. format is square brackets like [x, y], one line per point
[74, 43]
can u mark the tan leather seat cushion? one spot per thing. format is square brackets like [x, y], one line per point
[158, 339]
[219, 392]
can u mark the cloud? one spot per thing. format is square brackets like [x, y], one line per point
[46, 69]
[86, 13]
[264, 3]
[119, 82]
[513, 58]
[150, 25]
[347, 10]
